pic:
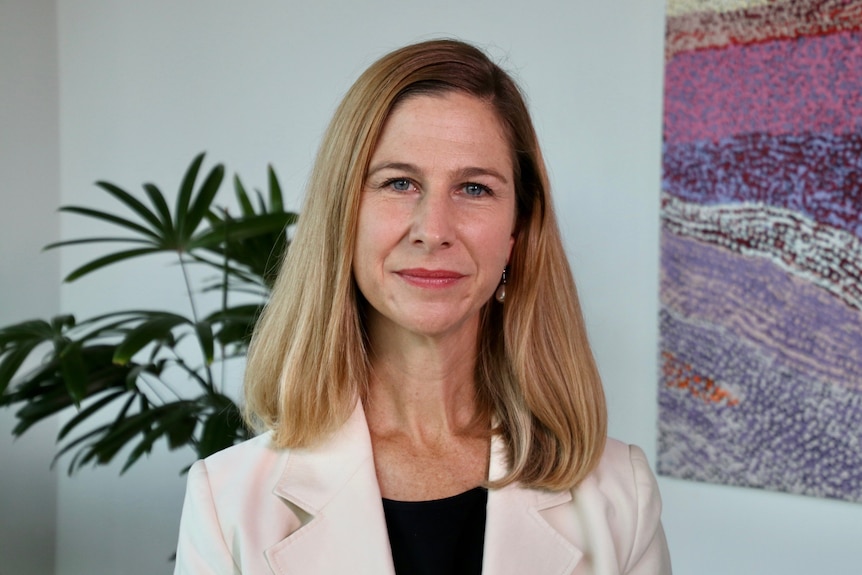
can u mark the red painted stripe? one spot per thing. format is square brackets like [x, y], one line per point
[775, 21]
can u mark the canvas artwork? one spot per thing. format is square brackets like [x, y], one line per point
[761, 246]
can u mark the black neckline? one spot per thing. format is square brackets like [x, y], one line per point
[444, 501]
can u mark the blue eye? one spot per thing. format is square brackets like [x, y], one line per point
[400, 185]
[476, 189]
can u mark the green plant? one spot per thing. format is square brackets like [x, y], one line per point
[133, 367]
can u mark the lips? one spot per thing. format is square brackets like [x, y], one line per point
[429, 278]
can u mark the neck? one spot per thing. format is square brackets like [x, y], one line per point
[422, 386]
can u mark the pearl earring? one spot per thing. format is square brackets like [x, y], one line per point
[501, 289]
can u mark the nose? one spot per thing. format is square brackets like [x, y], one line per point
[433, 225]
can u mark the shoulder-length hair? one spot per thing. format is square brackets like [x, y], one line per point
[535, 373]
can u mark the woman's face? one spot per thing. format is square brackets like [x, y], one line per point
[436, 216]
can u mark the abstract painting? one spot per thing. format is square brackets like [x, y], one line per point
[761, 246]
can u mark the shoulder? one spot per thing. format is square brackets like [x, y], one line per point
[620, 499]
[624, 477]
[624, 474]
[239, 467]
[246, 459]
[229, 515]
[240, 478]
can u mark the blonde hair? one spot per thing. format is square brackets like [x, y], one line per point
[535, 373]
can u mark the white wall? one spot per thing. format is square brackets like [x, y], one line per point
[144, 86]
[29, 280]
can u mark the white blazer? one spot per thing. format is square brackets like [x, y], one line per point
[257, 510]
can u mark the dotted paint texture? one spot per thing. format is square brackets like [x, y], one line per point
[760, 380]
[808, 85]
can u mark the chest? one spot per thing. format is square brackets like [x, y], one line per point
[410, 472]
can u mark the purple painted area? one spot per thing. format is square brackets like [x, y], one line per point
[818, 175]
[761, 322]
[811, 84]
[798, 326]
[787, 433]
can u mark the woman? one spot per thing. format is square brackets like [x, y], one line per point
[422, 369]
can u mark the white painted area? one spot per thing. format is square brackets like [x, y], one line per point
[144, 86]
[29, 279]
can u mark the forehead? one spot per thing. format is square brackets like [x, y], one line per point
[461, 120]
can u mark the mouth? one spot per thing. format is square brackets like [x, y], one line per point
[422, 277]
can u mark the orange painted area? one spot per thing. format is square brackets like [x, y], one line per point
[680, 375]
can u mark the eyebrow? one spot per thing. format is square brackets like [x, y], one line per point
[468, 172]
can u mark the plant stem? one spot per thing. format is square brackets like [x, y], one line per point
[188, 287]
[225, 269]
[209, 379]
[192, 373]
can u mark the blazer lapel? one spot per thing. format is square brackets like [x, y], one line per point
[517, 538]
[333, 489]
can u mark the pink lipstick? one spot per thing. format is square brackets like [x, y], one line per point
[422, 277]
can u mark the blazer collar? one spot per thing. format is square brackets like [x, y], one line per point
[333, 488]
[518, 539]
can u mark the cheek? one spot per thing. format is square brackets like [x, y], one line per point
[370, 238]
[365, 229]
[496, 236]
[360, 246]
[363, 271]
[492, 250]
[363, 255]
[373, 243]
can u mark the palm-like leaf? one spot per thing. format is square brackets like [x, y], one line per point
[124, 364]
[156, 229]
[254, 242]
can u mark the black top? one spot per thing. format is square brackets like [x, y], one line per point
[439, 537]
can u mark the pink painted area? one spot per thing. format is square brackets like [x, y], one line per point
[811, 84]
